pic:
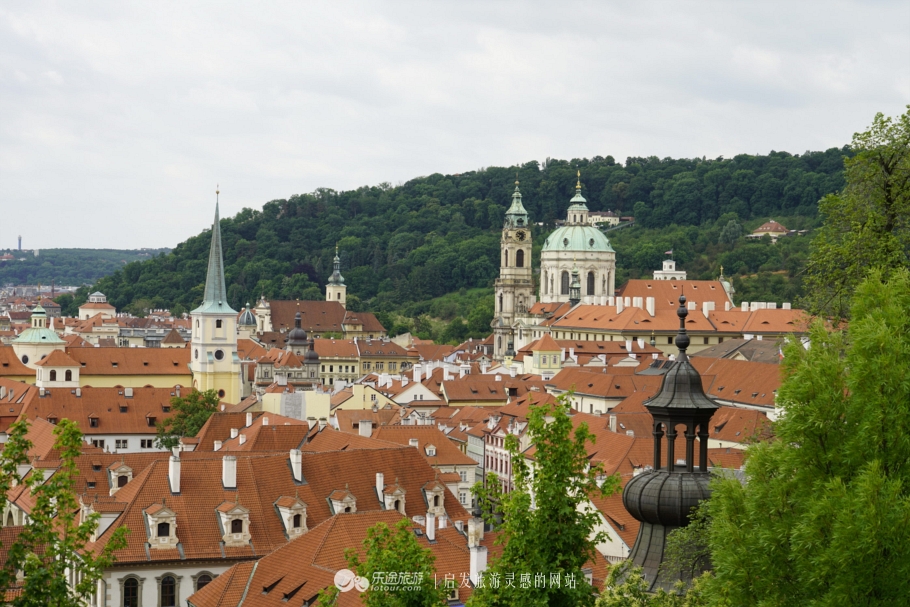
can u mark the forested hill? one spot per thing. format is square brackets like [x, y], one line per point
[67, 267]
[438, 234]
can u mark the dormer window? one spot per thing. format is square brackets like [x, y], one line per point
[431, 451]
[93, 422]
[235, 524]
[393, 497]
[293, 515]
[342, 500]
[120, 476]
[434, 492]
[162, 526]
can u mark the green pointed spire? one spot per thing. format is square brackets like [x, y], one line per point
[215, 298]
[516, 216]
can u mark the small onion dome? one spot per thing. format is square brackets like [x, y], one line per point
[247, 319]
[665, 498]
[311, 351]
[297, 336]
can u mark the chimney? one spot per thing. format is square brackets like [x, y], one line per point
[249, 419]
[512, 371]
[366, 428]
[417, 372]
[431, 526]
[413, 442]
[443, 521]
[217, 446]
[173, 473]
[478, 562]
[619, 306]
[727, 306]
[222, 407]
[627, 301]
[641, 343]
[707, 306]
[785, 306]
[297, 465]
[772, 305]
[475, 531]
[242, 438]
[322, 424]
[459, 526]
[649, 304]
[235, 432]
[611, 301]
[629, 346]
[311, 422]
[691, 306]
[745, 306]
[637, 302]
[229, 472]
[380, 484]
[612, 423]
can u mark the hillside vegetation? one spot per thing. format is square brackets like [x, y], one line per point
[68, 267]
[410, 250]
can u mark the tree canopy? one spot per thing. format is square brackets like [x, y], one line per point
[188, 414]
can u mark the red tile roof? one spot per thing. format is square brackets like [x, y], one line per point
[132, 361]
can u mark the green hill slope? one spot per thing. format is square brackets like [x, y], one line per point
[406, 245]
[68, 266]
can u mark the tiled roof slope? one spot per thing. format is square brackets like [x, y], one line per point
[218, 427]
[261, 480]
[10, 363]
[666, 292]
[447, 454]
[132, 361]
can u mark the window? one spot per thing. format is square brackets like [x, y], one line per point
[123, 408]
[219, 354]
[296, 521]
[53, 375]
[706, 340]
[590, 283]
[218, 324]
[323, 368]
[464, 476]
[393, 366]
[380, 366]
[90, 484]
[331, 368]
[122, 480]
[564, 283]
[435, 501]
[168, 592]
[131, 592]
[52, 420]
[202, 581]
[121, 443]
[68, 376]
[93, 422]
[463, 497]
[507, 259]
[25, 359]
[236, 526]
[146, 443]
[164, 529]
[520, 258]
[373, 397]
[98, 442]
[150, 421]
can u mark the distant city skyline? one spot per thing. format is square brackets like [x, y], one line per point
[120, 119]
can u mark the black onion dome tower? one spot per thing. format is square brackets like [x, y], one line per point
[297, 338]
[663, 498]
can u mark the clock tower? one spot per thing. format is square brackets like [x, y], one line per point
[514, 289]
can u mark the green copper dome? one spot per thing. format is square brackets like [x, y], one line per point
[577, 238]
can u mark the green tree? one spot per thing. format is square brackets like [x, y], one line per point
[824, 515]
[393, 550]
[188, 414]
[731, 232]
[553, 531]
[867, 225]
[627, 587]
[52, 542]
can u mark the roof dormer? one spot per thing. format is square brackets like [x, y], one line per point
[161, 523]
[435, 493]
[393, 497]
[342, 500]
[121, 474]
[235, 524]
[293, 515]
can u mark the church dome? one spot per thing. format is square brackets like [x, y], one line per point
[665, 498]
[578, 238]
[297, 336]
[247, 319]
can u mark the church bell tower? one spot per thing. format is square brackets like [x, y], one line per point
[514, 289]
[214, 361]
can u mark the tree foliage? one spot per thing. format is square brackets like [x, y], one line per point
[71, 267]
[393, 551]
[188, 414]
[544, 524]
[52, 543]
[824, 515]
[867, 225]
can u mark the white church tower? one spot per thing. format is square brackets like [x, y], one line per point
[214, 361]
[336, 290]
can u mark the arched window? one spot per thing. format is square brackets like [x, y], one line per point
[296, 521]
[435, 501]
[122, 480]
[520, 258]
[507, 258]
[53, 375]
[164, 529]
[9, 519]
[168, 592]
[202, 581]
[590, 283]
[347, 509]
[68, 376]
[131, 592]
[236, 526]
[339, 296]
[398, 505]
[564, 287]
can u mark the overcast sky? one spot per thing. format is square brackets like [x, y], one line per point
[117, 119]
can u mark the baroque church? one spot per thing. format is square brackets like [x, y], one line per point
[578, 265]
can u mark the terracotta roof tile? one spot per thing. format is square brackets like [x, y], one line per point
[132, 361]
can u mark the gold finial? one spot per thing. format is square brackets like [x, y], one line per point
[516, 179]
[721, 270]
[217, 189]
[578, 183]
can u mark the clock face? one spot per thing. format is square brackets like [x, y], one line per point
[521, 236]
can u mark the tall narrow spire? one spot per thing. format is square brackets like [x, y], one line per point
[215, 298]
[336, 278]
